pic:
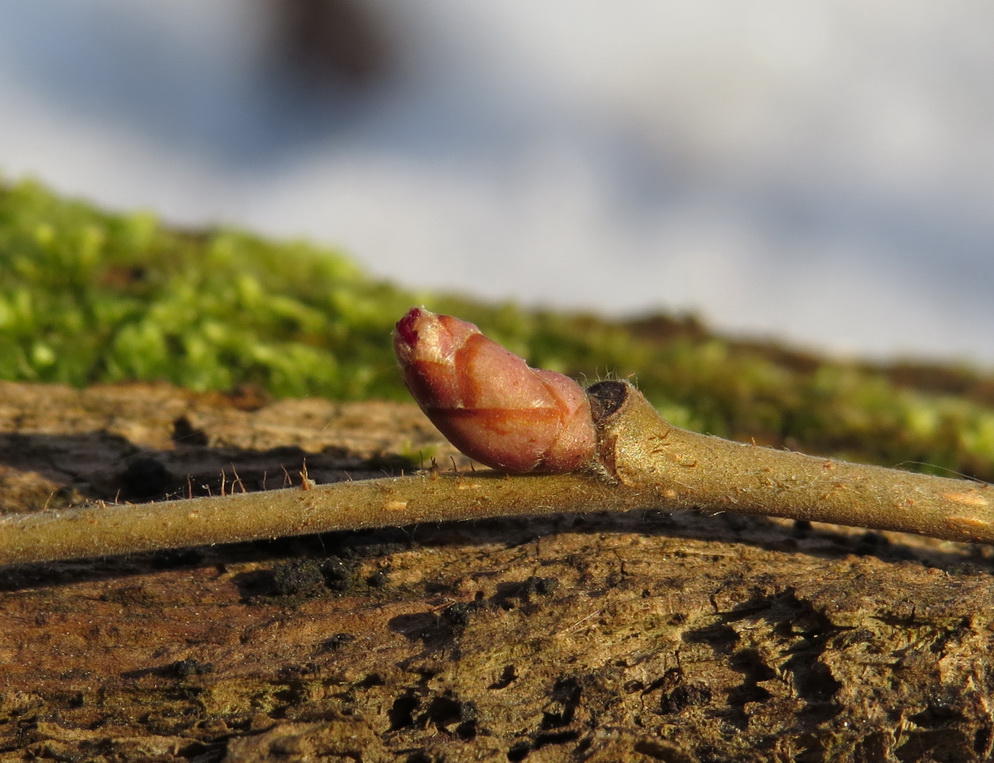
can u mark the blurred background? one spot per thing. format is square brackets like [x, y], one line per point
[820, 172]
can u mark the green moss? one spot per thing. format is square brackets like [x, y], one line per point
[89, 297]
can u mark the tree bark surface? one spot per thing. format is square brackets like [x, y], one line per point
[612, 637]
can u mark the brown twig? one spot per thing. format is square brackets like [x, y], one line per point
[642, 462]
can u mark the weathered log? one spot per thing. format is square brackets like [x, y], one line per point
[605, 637]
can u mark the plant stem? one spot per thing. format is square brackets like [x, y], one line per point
[107, 530]
[643, 462]
[687, 470]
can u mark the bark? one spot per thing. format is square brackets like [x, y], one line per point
[638, 636]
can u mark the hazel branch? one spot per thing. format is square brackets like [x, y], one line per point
[629, 458]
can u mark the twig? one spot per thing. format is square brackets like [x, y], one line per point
[642, 462]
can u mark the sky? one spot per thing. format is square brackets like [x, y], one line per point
[820, 172]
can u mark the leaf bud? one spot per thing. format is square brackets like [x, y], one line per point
[488, 402]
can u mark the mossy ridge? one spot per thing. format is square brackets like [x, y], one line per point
[88, 297]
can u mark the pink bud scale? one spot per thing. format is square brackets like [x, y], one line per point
[488, 402]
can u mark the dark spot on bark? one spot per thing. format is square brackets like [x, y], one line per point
[401, 713]
[297, 670]
[189, 668]
[565, 700]
[937, 716]
[421, 626]
[434, 588]
[982, 741]
[299, 578]
[874, 746]
[871, 543]
[338, 573]
[337, 641]
[445, 712]
[177, 559]
[507, 677]
[378, 579]
[146, 477]
[459, 614]
[519, 751]
[542, 586]
[683, 696]
[184, 433]
[809, 628]
[813, 680]
[721, 638]
[676, 694]
[555, 737]
[754, 669]
[130, 596]
[509, 593]
[373, 679]
[938, 746]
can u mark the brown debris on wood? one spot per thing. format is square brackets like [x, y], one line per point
[599, 638]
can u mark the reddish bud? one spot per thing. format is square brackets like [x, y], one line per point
[488, 402]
